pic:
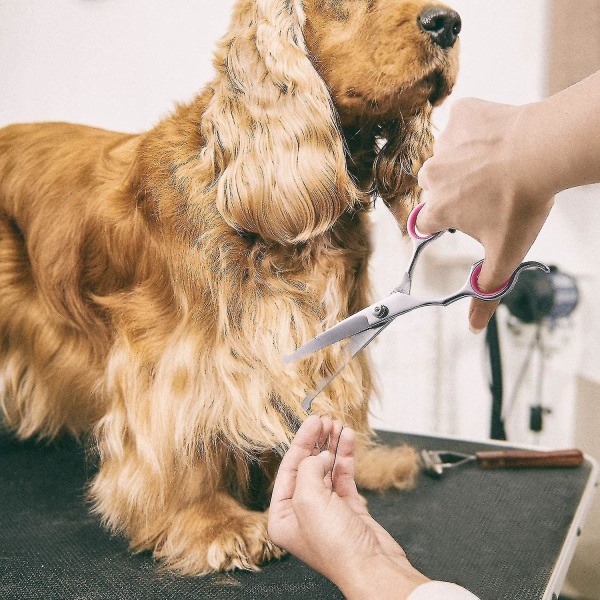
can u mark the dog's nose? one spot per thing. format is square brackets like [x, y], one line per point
[442, 24]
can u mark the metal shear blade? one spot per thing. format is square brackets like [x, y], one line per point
[357, 343]
[364, 326]
[347, 328]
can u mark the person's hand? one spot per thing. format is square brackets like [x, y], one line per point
[317, 514]
[484, 180]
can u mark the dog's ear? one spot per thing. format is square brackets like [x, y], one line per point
[271, 128]
[386, 157]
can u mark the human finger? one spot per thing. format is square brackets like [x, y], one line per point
[325, 435]
[301, 447]
[439, 210]
[344, 471]
[334, 438]
[310, 480]
[430, 219]
[423, 174]
[489, 280]
[480, 313]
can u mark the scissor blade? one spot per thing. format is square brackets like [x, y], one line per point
[347, 328]
[357, 343]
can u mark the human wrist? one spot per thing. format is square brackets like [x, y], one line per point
[537, 175]
[379, 577]
[556, 142]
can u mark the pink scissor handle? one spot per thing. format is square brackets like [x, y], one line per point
[420, 241]
[487, 295]
[411, 224]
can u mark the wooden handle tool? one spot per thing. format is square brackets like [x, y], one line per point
[437, 462]
[529, 458]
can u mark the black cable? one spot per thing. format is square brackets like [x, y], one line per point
[513, 399]
[493, 343]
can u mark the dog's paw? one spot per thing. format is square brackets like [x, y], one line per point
[243, 544]
[198, 544]
[384, 467]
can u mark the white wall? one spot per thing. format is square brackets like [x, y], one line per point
[117, 64]
[121, 64]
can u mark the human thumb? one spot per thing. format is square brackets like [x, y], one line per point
[428, 219]
[481, 311]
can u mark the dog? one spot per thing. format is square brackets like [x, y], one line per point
[151, 284]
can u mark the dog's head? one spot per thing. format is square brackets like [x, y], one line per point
[317, 102]
[383, 58]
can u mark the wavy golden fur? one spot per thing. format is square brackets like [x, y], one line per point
[150, 284]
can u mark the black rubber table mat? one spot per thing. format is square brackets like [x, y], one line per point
[498, 533]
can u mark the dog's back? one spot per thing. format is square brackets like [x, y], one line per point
[58, 183]
[38, 160]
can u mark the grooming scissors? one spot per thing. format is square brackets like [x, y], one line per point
[364, 326]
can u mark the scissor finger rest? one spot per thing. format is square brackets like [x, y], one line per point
[507, 287]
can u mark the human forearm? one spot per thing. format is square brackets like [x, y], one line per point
[496, 169]
[558, 140]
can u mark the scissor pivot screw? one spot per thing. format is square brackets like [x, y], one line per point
[381, 311]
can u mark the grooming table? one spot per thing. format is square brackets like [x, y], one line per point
[502, 534]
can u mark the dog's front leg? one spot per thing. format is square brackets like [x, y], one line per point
[166, 495]
[185, 517]
[191, 535]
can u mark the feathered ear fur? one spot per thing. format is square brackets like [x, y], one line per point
[271, 128]
[386, 157]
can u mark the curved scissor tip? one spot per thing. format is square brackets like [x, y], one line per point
[532, 264]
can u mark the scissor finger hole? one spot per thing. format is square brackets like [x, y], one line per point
[411, 224]
[486, 295]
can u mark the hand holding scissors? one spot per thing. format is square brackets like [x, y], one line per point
[364, 326]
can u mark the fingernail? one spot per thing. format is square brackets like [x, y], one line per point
[478, 320]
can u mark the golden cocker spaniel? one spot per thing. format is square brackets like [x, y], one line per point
[151, 284]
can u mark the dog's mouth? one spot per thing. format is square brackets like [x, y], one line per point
[440, 87]
[433, 88]
[429, 89]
